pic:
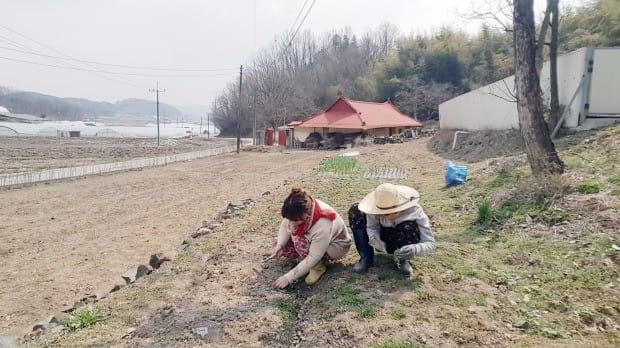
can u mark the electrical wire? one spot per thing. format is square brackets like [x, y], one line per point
[111, 72]
[301, 23]
[299, 13]
[115, 65]
[117, 79]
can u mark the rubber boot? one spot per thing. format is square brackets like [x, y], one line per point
[404, 267]
[315, 273]
[367, 254]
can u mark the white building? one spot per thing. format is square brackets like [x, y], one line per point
[588, 81]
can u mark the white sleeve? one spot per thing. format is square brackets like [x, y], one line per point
[427, 241]
[284, 232]
[373, 228]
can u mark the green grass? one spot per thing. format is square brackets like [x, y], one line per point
[589, 188]
[83, 318]
[347, 296]
[484, 212]
[366, 312]
[398, 314]
[339, 165]
[392, 344]
[288, 309]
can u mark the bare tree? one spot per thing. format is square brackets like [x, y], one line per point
[495, 13]
[541, 152]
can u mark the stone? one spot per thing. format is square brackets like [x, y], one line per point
[116, 287]
[231, 208]
[523, 325]
[201, 232]
[210, 224]
[135, 273]
[183, 246]
[156, 260]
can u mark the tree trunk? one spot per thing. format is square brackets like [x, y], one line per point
[540, 149]
[540, 47]
[554, 105]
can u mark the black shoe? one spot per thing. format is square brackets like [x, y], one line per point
[405, 267]
[362, 265]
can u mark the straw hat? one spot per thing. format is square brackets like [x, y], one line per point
[389, 198]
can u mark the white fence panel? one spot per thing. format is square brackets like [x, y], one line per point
[62, 173]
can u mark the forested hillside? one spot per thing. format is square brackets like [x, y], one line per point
[292, 79]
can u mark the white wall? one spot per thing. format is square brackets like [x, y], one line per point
[492, 107]
[604, 95]
[571, 67]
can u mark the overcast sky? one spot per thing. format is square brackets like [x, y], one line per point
[213, 36]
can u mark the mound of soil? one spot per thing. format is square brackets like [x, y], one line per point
[476, 146]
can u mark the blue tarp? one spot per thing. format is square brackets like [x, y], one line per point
[455, 175]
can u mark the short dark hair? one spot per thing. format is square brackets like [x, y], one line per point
[296, 204]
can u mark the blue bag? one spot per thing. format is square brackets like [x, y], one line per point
[455, 175]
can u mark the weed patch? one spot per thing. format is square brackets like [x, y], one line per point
[83, 318]
[288, 309]
[347, 296]
[589, 188]
[399, 314]
[339, 165]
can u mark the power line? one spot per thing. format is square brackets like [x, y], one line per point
[301, 23]
[115, 65]
[299, 13]
[57, 51]
[111, 72]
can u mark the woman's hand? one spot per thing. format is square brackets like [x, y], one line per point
[281, 283]
[277, 252]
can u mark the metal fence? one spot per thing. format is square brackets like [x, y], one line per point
[62, 173]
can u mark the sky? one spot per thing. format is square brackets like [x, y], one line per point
[193, 48]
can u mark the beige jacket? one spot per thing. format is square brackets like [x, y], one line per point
[322, 238]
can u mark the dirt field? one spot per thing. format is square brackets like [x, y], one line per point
[23, 154]
[62, 241]
[499, 285]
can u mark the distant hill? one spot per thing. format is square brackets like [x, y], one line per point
[74, 109]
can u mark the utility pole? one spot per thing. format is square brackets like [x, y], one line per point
[157, 91]
[208, 129]
[200, 131]
[254, 140]
[239, 114]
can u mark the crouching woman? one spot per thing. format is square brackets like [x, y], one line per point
[390, 219]
[311, 231]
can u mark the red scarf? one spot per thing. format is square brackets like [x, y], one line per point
[316, 215]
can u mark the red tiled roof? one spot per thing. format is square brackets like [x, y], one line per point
[347, 113]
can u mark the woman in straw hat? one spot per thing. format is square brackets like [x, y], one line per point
[311, 231]
[389, 219]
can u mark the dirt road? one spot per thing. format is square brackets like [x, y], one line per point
[64, 240]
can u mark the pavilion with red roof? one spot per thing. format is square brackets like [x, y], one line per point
[352, 116]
